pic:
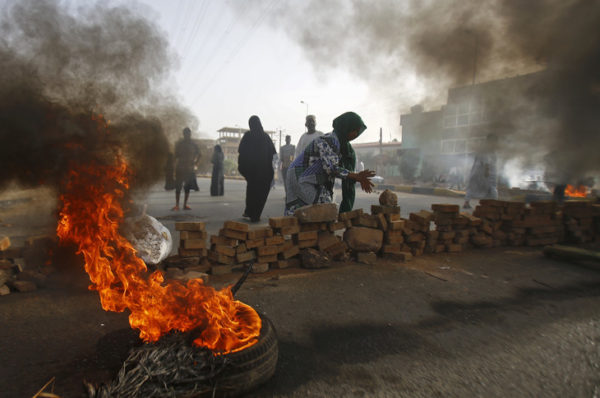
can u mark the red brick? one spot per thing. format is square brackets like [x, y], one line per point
[445, 208]
[289, 230]
[192, 252]
[307, 243]
[258, 233]
[190, 226]
[281, 222]
[336, 226]
[308, 235]
[320, 212]
[290, 252]
[233, 234]
[245, 257]
[227, 250]
[193, 244]
[275, 240]
[183, 235]
[236, 226]
[378, 209]
[267, 258]
[223, 240]
[366, 220]
[254, 243]
[269, 250]
[349, 215]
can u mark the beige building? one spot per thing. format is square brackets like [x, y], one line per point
[230, 137]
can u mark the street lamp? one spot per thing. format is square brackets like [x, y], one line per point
[305, 103]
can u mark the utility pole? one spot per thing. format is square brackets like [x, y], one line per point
[380, 140]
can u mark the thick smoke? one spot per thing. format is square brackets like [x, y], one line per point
[554, 118]
[60, 69]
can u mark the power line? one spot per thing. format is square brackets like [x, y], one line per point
[267, 12]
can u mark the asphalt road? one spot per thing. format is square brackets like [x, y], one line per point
[504, 322]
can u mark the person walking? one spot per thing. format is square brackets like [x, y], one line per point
[255, 159]
[311, 176]
[483, 178]
[187, 155]
[311, 134]
[218, 178]
[287, 153]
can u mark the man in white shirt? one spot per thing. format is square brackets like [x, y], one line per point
[311, 134]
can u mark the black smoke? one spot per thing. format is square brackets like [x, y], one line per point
[553, 119]
[62, 71]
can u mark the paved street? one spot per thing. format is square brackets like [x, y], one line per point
[503, 322]
[215, 210]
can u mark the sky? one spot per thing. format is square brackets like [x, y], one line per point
[227, 68]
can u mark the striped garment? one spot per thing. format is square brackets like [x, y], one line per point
[311, 176]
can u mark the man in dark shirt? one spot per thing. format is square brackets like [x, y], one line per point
[187, 155]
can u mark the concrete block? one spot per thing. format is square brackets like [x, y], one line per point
[321, 212]
[363, 239]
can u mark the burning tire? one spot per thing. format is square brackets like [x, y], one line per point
[249, 368]
[174, 368]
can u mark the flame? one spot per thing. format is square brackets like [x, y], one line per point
[580, 191]
[90, 218]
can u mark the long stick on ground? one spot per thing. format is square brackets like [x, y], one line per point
[38, 394]
[239, 283]
[572, 253]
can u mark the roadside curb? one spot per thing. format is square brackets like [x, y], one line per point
[423, 190]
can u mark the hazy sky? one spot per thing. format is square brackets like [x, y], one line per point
[227, 68]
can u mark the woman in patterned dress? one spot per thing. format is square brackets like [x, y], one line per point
[311, 176]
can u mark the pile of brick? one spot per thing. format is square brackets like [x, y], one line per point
[23, 269]
[578, 219]
[319, 225]
[499, 223]
[543, 223]
[453, 229]
[192, 240]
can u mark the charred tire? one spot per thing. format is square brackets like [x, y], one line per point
[249, 368]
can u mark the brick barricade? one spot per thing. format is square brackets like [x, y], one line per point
[385, 233]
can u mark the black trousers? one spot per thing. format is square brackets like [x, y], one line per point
[257, 191]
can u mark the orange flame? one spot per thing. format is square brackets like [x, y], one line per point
[90, 218]
[580, 191]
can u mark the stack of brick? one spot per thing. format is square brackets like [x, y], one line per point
[596, 212]
[387, 218]
[542, 222]
[288, 229]
[318, 226]
[578, 218]
[418, 232]
[237, 244]
[192, 240]
[490, 232]
[452, 229]
[514, 213]
[496, 226]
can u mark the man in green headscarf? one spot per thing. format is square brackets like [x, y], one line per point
[311, 176]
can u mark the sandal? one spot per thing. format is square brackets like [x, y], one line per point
[175, 208]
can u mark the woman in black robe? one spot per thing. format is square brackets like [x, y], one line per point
[255, 159]
[218, 179]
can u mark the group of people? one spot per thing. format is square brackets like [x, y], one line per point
[309, 169]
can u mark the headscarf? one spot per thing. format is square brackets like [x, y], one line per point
[256, 152]
[343, 125]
